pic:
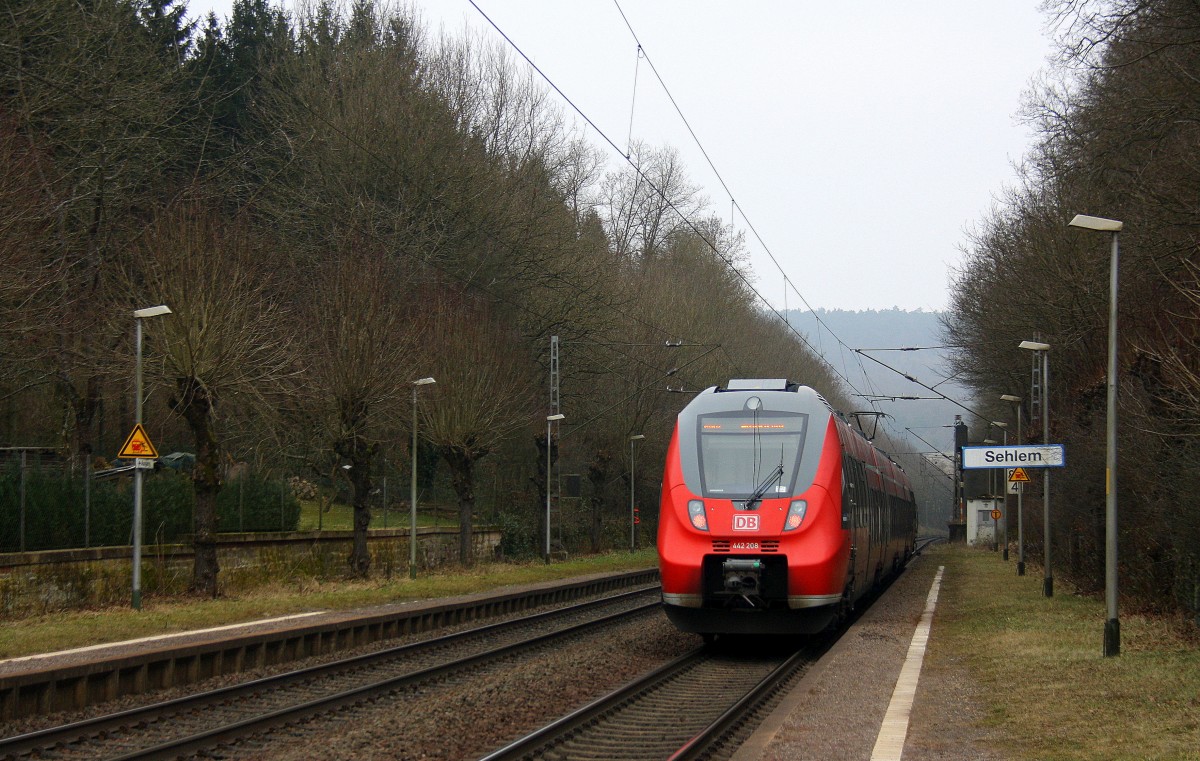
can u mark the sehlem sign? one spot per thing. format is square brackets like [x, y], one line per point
[1045, 456]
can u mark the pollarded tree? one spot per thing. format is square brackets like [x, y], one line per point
[358, 343]
[484, 392]
[226, 341]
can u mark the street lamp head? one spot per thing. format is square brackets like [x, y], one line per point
[636, 437]
[423, 382]
[999, 424]
[1099, 224]
[1034, 346]
[558, 416]
[1010, 398]
[161, 309]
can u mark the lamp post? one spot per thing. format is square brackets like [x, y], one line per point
[1112, 625]
[992, 499]
[412, 501]
[632, 481]
[1042, 351]
[1004, 485]
[1020, 492]
[139, 315]
[550, 420]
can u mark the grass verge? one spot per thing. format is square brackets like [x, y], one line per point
[61, 631]
[1051, 695]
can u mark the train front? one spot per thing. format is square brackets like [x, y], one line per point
[751, 536]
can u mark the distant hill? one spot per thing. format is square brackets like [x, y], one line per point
[879, 333]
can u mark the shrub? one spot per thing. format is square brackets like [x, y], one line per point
[253, 503]
[56, 512]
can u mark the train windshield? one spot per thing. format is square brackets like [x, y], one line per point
[743, 453]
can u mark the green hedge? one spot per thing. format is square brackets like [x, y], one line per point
[253, 503]
[55, 509]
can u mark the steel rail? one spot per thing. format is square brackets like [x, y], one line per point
[608, 709]
[523, 747]
[27, 744]
[745, 707]
[706, 738]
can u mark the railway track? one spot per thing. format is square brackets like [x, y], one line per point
[699, 706]
[690, 708]
[219, 718]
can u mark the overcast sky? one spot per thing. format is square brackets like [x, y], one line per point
[859, 140]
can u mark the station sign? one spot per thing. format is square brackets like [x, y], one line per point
[1027, 456]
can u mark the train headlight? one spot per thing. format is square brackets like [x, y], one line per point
[795, 515]
[696, 514]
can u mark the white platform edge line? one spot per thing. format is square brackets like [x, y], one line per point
[889, 745]
[173, 635]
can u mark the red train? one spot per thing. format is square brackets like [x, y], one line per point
[776, 515]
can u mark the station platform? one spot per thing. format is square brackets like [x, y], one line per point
[883, 692]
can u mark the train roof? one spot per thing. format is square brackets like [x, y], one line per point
[759, 384]
[769, 384]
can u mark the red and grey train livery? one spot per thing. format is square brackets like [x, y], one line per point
[776, 515]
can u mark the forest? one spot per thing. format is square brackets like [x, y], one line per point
[1118, 120]
[334, 204]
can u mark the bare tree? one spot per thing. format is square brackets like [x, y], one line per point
[359, 342]
[645, 203]
[484, 391]
[226, 340]
[100, 106]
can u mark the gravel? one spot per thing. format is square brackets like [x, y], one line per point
[470, 716]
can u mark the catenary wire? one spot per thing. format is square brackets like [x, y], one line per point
[688, 222]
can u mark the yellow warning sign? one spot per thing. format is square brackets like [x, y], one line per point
[138, 445]
[1019, 476]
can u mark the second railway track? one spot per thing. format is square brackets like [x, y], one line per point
[220, 717]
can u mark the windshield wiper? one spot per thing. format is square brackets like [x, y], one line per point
[756, 497]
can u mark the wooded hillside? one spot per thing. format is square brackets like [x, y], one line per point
[334, 205]
[1119, 125]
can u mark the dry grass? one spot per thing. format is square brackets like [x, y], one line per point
[61, 631]
[1052, 694]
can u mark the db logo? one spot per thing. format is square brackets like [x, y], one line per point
[743, 522]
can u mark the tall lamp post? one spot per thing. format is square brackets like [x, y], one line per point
[550, 421]
[139, 315]
[412, 497]
[1112, 626]
[1020, 492]
[632, 481]
[992, 497]
[1004, 484]
[1042, 351]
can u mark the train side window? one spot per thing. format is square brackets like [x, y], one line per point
[864, 499]
[847, 491]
